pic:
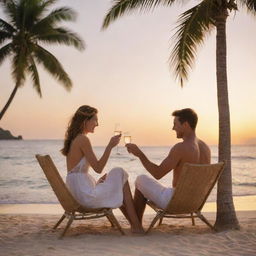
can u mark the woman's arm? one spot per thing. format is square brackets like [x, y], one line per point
[86, 147]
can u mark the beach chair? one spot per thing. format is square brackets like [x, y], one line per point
[73, 210]
[194, 186]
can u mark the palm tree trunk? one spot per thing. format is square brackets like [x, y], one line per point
[9, 101]
[226, 215]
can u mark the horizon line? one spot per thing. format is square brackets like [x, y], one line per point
[244, 144]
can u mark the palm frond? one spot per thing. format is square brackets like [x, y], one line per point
[10, 10]
[31, 11]
[121, 7]
[43, 7]
[49, 2]
[62, 36]
[4, 36]
[5, 26]
[34, 11]
[19, 65]
[23, 13]
[193, 26]
[32, 69]
[249, 5]
[52, 65]
[20, 14]
[58, 15]
[61, 14]
[5, 51]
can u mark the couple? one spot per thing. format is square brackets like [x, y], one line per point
[112, 190]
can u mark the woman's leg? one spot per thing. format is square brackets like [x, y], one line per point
[139, 204]
[129, 210]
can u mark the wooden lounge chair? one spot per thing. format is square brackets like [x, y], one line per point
[73, 210]
[194, 186]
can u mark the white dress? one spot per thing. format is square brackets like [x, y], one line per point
[89, 194]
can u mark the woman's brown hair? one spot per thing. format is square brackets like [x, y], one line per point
[76, 125]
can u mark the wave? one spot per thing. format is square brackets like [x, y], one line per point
[244, 157]
[46, 185]
[8, 157]
[24, 183]
[247, 184]
[238, 157]
[14, 182]
[123, 157]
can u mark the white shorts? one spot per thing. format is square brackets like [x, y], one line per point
[153, 190]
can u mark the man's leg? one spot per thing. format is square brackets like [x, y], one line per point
[147, 188]
[139, 203]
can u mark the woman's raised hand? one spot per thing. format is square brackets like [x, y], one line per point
[114, 140]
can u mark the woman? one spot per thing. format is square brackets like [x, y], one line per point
[112, 190]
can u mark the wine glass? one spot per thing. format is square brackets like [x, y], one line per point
[127, 139]
[117, 131]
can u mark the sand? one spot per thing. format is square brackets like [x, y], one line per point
[28, 232]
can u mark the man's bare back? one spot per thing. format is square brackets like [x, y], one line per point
[193, 151]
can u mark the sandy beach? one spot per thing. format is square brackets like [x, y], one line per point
[26, 230]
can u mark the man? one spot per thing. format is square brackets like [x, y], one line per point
[191, 150]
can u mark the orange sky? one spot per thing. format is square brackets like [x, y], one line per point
[124, 73]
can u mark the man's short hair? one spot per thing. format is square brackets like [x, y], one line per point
[187, 115]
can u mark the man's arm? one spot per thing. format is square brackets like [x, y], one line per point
[157, 171]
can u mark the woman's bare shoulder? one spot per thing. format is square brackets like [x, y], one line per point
[81, 139]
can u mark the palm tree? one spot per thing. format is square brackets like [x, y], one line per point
[28, 26]
[193, 25]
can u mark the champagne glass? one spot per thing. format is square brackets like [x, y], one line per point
[117, 131]
[127, 139]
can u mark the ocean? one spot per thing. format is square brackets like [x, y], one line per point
[22, 181]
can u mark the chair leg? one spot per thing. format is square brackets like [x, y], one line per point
[60, 220]
[71, 218]
[202, 218]
[160, 221]
[158, 215]
[193, 219]
[111, 222]
[113, 219]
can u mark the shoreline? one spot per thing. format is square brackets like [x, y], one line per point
[242, 203]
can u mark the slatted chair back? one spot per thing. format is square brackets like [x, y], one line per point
[194, 186]
[60, 189]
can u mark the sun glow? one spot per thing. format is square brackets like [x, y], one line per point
[124, 73]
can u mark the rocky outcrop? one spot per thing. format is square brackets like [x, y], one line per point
[6, 135]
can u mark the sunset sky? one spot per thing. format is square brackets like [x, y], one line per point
[124, 73]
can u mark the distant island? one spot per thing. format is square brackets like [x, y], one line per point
[6, 135]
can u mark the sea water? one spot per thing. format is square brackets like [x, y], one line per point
[23, 181]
